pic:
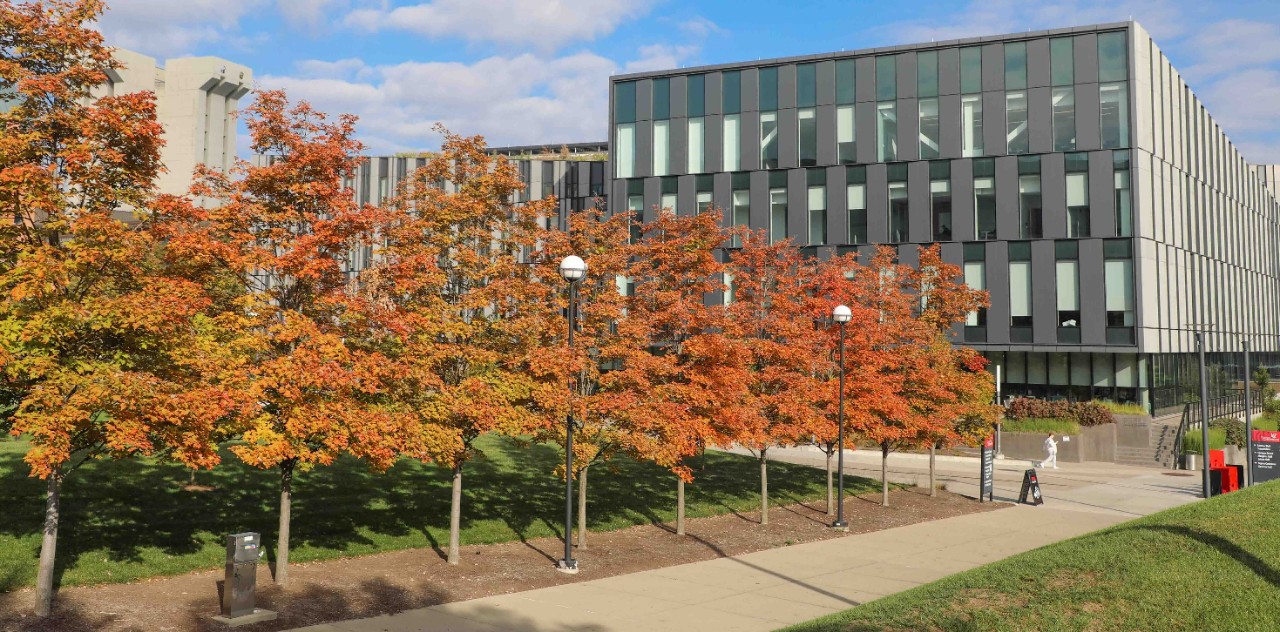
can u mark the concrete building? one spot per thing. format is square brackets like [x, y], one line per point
[1071, 173]
[196, 101]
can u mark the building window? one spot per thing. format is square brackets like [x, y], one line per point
[661, 99]
[1113, 57]
[697, 138]
[940, 200]
[703, 185]
[732, 84]
[661, 148]
[697, 95]
[886, 78]
[732, 142]
[927, 74]
[741, 206]
[1113, 110]
[845, 81]
[1020, 291]
[635, 205]
[1124, 212]
[730, 288]
[817, 181]
[806, 85]
[777, 215]
[1068, 291]
[808, 137]
[1030, 204]
[1078, 196]
[1015, 66]
[1015, 112]
[769, 140]
[1061, 61]
[624, 102]
[856, 198]
[1064, 119]
[984, 198]
[768, 88]
[975, 276]
[971, 125]
[899, 219]
[971, 70]
[929, 135]
[887, 130]
[846, 138]
[624, 154]
[1118, 277]
[669, 188]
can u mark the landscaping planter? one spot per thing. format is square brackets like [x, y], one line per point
[1097, 443]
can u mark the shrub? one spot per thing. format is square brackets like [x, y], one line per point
[1120, 408]
[1083, 413]
[1042, 426]
[1233, 429]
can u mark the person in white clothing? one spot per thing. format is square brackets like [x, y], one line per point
[1051, 453]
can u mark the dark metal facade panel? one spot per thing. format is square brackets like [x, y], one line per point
[827, 149]
[908, 129]
[1093, 297]
[837, 206]
[1037, 63]
[1102, 199]
[715, 93]
[713, 142]
[992, 67]
[1040, 119]
[786, 86]
[1007, 198]
[826, 73]
[759, 200]
[919, 203]
[997, 268]
[644, 148]
[864, 125]
[1053, 194]
[750, 90]
[949, 71]
[949, 110]
[722, 196]
[652, 198]
[993, 124]
[962, 210]
[1088, 125]
[1086, 58]
[877, 203]
[644, 100]
[750, 140]
[679, 146]
[1044, 295]
[797, 207]
[788, 134]
[679, 96]
[906, 75]
[864, 80]
[686, 196]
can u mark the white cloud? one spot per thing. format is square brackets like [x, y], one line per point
[701, 27]
[1162, 18]
[661, 56]
[511, 100]
[543, 24]
[309, 14]
[168, 28]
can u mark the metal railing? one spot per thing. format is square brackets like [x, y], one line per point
[1228, 406]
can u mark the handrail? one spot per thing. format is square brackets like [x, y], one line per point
[1226, 406]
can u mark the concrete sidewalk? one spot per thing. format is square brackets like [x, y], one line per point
[769, 589]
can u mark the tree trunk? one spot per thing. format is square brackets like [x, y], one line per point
[933, 486]
[831, 499]
[764, 489]
[582, 509]
[455, 514]
[48, 546]
[679, 506]
[884, 475]
[286, 502]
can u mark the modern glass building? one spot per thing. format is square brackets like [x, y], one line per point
[1071, 173]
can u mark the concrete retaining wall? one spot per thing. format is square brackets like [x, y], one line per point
[1092, 444]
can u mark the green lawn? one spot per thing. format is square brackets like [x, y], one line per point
[131, 519]
[1211, 565]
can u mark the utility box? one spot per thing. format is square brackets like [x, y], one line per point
[240, 583]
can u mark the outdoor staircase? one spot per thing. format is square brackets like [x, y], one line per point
[1159, 449]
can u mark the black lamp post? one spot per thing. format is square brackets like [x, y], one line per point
[573, 269]
[841, 314]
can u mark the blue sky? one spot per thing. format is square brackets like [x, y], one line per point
[535, 71]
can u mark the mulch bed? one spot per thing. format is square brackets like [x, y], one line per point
[392, 582]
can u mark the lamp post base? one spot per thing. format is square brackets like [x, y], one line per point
[840, 525]
[568, 567]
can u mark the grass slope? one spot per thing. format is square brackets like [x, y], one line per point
[126, 520]
[1205, 566]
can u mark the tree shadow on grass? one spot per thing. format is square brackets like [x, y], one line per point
[1257, 565]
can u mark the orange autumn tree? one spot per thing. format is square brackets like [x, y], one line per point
[459, 297]
[959, 393]
[684, 379]
[770, 324]
[274, 248]
[601, 343]
[102, 349]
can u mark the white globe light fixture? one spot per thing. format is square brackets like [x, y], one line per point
[842, 314]
[573, 268]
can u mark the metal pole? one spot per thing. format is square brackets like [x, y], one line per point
[568, 563]
[1204, 414]
[1248, 422]
[840, 523]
